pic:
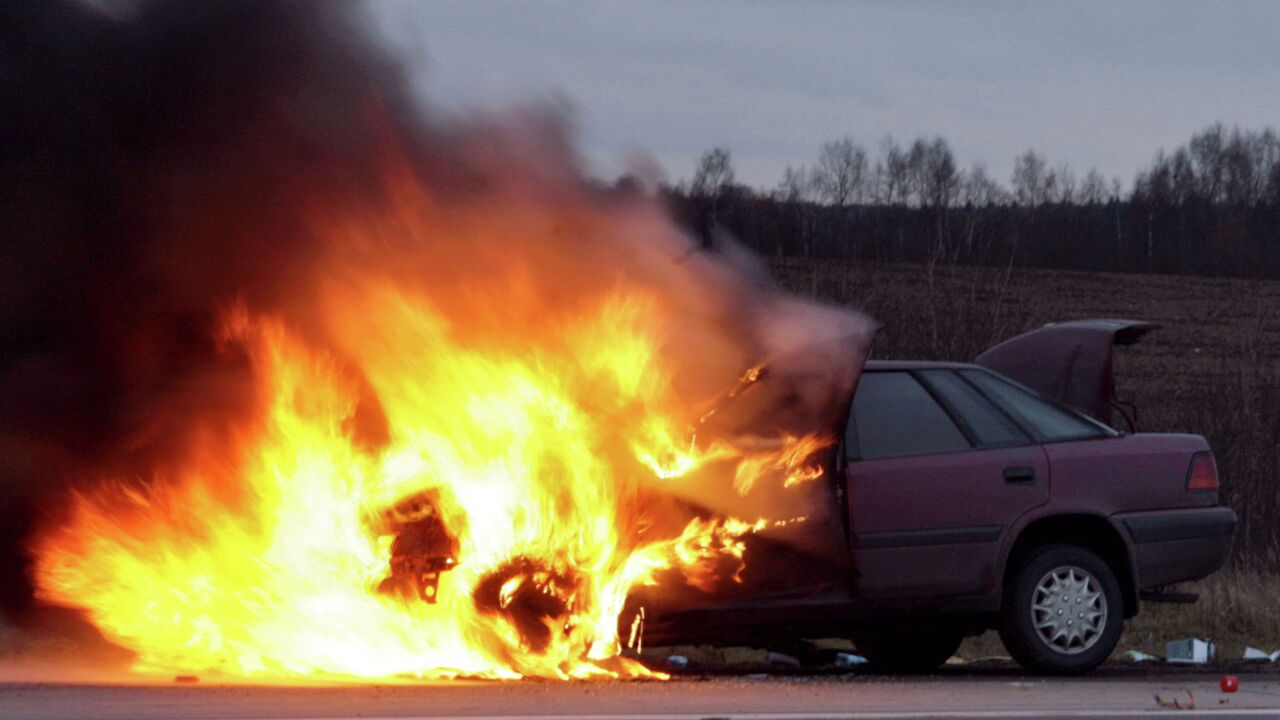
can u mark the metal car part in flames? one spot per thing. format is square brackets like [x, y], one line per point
[519, 485]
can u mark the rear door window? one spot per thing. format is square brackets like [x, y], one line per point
[893, 415]
[1049, 422]
[990, 425]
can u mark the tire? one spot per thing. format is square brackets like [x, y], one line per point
[910, 654]
[1036, 623]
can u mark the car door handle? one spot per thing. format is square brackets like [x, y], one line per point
[1019, 475]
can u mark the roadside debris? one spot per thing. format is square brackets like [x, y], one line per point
[1252, 653]
[704, 658]
[1175, 703]
[1190, 650]
[847, 660]
[1229, 683]
[781, 660]
[743, 657]
[1138, 656]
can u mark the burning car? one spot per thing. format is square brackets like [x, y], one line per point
[992, 495]
[349, 388]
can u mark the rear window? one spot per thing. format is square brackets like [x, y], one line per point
[991, 426]
[1049, 422]
[893, 415]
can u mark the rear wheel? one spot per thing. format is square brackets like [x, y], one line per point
[911, 653]
[1063, 612]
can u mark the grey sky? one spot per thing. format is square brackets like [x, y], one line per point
[1100, 84]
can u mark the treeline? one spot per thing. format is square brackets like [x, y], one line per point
[1210, 207]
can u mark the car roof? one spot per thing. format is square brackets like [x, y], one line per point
[872, 365]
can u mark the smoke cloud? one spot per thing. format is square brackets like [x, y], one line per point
[156, 161]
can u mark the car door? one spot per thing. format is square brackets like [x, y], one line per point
[936, 476]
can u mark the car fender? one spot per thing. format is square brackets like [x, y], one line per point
[1048, 511]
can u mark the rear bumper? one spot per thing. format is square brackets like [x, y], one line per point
[1179, 545]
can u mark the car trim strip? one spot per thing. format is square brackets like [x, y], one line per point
[1163, 527]
[940, 536]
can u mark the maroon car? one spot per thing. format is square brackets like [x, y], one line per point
[967, 499]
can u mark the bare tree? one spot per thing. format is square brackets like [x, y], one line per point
[940, 181]
[841, 172]
[1273, 183]
[796, 186]
[714, 174]
[917, 172]
[980, 189]
[1183, 185]
[1269, 167]
[1206, 151]
[1093, 191]
[1234, 168]
[1242, 185]
[713, 179]
[1060, 185]
[892, 173]
[1029, 179]
[797, 191]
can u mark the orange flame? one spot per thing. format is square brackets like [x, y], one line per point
[530, 442]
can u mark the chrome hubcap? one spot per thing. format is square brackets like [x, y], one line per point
[1068, 610]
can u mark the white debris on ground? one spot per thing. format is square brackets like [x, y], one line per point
[1139, 656]
[1252, 653]
[849, 660]
[1190, 650]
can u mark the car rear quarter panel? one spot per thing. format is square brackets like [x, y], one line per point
[1109, 476]
[1126, 474]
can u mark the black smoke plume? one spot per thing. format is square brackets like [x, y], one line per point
[155, 161]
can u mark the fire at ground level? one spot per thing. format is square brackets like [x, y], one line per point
[990, 691]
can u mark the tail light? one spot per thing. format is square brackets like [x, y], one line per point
[1203, 474]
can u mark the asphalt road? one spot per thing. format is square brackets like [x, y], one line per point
[1114, 695]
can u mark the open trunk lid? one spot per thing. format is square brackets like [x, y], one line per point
[1069, 362]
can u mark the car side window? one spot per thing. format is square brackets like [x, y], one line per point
[893, 415]
[991, 426]
[1049, 422]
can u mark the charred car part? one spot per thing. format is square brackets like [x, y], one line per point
[422, 549]
[535, 599]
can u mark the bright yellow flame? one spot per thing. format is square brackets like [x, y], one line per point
[538, 449]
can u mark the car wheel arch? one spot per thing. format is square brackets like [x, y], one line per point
[1087, 530]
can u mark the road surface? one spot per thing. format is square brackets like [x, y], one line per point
[1106, 695]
